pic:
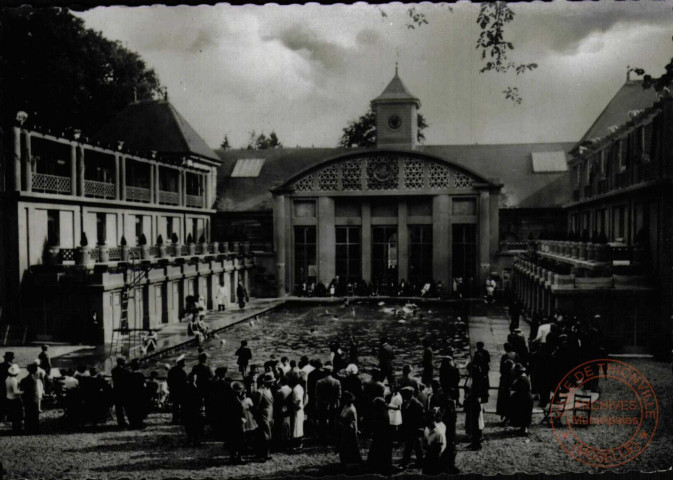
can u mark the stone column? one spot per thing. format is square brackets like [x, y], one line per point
[157, 181]
[27, 164]
[122, 177]
[326, 240]
[441, 240]
[206, 196]
[484, 237]
[73, 168]
[366, 242]
[81, 170]
[279, 240]
[181, 188]
[402, 242]
[16, 133]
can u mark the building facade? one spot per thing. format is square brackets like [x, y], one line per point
[97, 238]
[616, 259]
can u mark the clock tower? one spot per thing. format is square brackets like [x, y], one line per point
[396, 116]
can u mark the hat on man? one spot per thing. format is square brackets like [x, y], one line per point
[352, 369]
[407, 389]
[268, 377]
[237, 387]
[14, 369]
[9, 356]
[181, 358]
[517, 330]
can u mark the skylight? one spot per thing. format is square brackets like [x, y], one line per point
[248, 167]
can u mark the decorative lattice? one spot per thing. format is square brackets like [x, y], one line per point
[194, 201]
[51, 183]
[96, 189]
[138, 194]
[328, 178]
[438, 175]
[305, 184]
[382, 173]
[169, 198]
[413, 173]
[461, 180]
[351, 175]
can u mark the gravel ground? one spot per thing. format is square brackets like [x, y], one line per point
[158, 451]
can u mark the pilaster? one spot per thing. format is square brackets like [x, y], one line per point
[441, 239]
[326, 240]
[402, 242]
[366, 248]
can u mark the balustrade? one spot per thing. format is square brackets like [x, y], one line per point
[194, 201]
[93, 188]
[138, 194]
[169, 198]
[51, 183]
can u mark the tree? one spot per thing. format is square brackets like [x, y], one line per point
[64, 75]
[225, 145]
[660, 83]
[362, 132]
[262, 142]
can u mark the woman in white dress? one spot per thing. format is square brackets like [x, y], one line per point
[297, 415]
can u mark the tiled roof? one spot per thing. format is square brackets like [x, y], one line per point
[396, 91]
[510, 164]
[155, 125]
[631, 96]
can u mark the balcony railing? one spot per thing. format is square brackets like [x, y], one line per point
[93, 188]
[169, 198]
[622, 180]
[138, 194]
[648, 171]
[195, 201]
[51, 183]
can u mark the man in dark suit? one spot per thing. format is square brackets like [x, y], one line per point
[203, 374]
[328, 395]
[137, 401]
[177, 382]
[386, 357]
[413, 422]
[4, 367]
[406, 380]
[120, 381]
[262, 400]
[31, 399]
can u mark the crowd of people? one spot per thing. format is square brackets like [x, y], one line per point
[277, 404]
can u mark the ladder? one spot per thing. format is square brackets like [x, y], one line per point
[126, 340]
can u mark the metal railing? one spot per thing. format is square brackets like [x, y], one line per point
[51, 183]
[115, 254]
[194, 201]
[138, 194]
[93, 188]
[169, 198]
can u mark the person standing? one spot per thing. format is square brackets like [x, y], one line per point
[221, 297]
[45, 360]
[13, 403]
[406, 380]
[137, 401]
[328, 396]
[235, 423]
[191, 411]
[514, 314]
[428, 367]
[412, 427]
[395, 411]
[262, 400]
[282, 427]
[371, 390]
[241, 295]
[349, 447]
[449, 378]
[120, 381]
[177, 382]
[435, 445]
[4, 367]
[297, 403]
[474, 418]
[506, 379]
[386, 357]
[203, 374]
[479, 368]
[29, 385]
[521, 400]
[244, 355]
[380, 456]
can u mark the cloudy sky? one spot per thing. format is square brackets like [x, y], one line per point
[305, 71]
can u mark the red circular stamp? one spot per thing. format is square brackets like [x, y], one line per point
[609, 429]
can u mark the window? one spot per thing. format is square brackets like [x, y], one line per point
[384, 253]
[304, 208]
[195, 229]
[618, 223]
[420, 253]
[304, 254]
[100, 228]
[139, 228]
[465, 252]
[348, 253]
[53, 228]
[248, 167]
[169, 228]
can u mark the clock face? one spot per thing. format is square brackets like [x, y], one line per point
[394, 122]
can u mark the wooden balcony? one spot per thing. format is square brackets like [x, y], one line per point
[138, 194]
[95, 189]
[194, 201]
[169, 198]
[42, 182]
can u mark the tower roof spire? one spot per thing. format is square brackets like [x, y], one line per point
[396, 92]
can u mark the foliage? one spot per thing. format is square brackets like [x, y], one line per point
[190, 239]
[142, 240]
[123, 241]
[262, 142]
[160, 240]
[63, 74]
[362, 132]
[83, 241]
[225, 145]
[202, 239]
[174, 238]
[660, 83]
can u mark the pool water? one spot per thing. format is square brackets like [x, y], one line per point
[296, 330]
